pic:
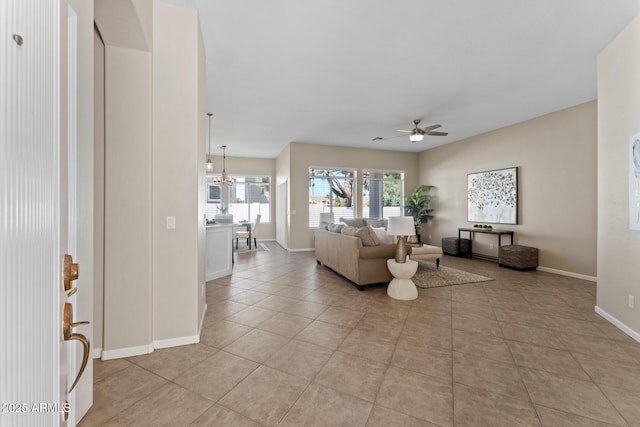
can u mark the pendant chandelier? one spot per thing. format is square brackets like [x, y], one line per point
[209, 164]
[224, 178]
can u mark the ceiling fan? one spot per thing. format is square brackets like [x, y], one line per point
[417, 133]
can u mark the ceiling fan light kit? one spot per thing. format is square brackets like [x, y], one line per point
[415, 137]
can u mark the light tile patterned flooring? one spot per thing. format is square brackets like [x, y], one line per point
[289, 343]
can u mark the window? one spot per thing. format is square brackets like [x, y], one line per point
[382, 193]
[247, 197]
[330, 190]
[250, 196]
[213, 196]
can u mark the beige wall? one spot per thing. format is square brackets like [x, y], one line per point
[154, 168]
[252, 166]
[98, 192]
[128, 203]
[618, 119]
[178, 163]
[556, 157]
[304, 156]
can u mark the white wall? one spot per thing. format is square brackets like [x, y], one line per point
[201, 159]
[556, 157]
[618, 119]
[282, 196]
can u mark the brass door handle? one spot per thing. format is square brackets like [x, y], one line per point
[69, 271]
[67, 314]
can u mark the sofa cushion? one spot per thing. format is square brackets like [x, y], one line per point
[335, 228]
[384, 238]
[366, 235]
[376, 223]
[323, 226]
[353, 222]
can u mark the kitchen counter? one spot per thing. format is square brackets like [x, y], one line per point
[219, 252]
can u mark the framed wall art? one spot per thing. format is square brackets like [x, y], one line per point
[492, 196]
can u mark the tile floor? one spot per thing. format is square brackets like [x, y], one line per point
[289, 343]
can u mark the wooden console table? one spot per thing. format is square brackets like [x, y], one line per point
[473, 230]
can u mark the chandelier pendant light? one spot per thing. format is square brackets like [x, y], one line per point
[224, 178]
[209, 163]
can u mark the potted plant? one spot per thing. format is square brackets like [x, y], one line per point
[418, 205]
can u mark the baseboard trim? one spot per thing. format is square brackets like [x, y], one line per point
[120, 353]
[127, 352]
[568, 273]
[301, 250]
[201, 322]
[176, 342]
[218, 274]
[624, 328]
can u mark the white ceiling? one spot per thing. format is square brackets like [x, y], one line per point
[341, 72]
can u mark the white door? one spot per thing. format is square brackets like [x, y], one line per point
[81, 397]
[33, 212]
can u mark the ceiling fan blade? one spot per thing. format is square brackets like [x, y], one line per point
[437, 133]
[403, 130]
[432, 127]
[379, 138]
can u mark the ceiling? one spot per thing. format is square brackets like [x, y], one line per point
[341, 72]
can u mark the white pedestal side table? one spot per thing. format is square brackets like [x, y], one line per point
[402, 287]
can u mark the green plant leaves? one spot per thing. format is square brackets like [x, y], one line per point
[417, 204]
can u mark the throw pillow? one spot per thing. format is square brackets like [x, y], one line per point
[323, 226]
[335, 228]
[366, 235]
[353, 222]
[348, 230]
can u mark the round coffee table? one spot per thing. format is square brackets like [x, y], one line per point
[402, 287]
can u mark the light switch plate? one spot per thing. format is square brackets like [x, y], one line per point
[171, 222]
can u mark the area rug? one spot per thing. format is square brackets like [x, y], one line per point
[428, 277]
[245, 249]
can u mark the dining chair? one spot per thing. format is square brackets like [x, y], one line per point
[248, 234]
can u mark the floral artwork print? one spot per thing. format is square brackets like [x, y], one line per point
[493, 196]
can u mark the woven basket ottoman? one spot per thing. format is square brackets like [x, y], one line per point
[450, 246]
[518, 257]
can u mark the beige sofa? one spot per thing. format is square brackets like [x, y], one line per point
[363, 265]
